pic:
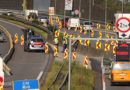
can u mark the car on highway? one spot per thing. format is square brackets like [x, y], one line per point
[73, 22]
[33, 41]
[1, 36]
[89, 25]
[44, 19]
[120, 72]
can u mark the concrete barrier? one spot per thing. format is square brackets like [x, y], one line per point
[10, 52]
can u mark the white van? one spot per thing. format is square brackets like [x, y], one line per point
[73, 22]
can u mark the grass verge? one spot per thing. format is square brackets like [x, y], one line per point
[51, 75]
[81, 78]
[41, 32]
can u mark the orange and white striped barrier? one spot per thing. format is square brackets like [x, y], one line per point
[65, 53]
[81, 29]
[1, 87]
[22, 40]
[108, 27]
[69, 27]
[116, 43]
[86, 43]
[1, 81]
[57, 33]
[52, 23]
[57, 19]
[86, 62]
[72, 36]
[74, 57]
[44, 23]
[16, 38]
[75, 28]
[92, 33]
[55, 50]
[98, 26]
[98, 45]
[112, 42]
[46, 48]
[65, 34]
[31, 19]
[107, 47]
[114, 49]
[114, 29]
[100, 34]
[50, 19]
[107, 36]
[26, 18]
[60, 25]
[85, 30]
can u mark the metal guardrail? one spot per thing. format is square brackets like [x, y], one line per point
[10, 52]
[26, 22]
[56, 78]
[65, 79]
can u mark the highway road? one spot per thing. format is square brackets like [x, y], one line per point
[4, 46]
[123, 86]
[25, 65]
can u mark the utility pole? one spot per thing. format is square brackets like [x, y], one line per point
[55, 6]
[105, 14]
[69, 76]
[24, 5]
[122, 6]
[55, 17]
[79, 8]
[89, 16]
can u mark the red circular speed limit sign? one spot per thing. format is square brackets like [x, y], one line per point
[123, 24]
[76, 12]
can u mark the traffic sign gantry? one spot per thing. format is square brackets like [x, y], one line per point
[123, 24]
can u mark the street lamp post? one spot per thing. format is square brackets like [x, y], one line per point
[89, 16]
[79, 8]
[105, 14]
[122, 6]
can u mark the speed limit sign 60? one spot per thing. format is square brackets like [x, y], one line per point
[123, 24]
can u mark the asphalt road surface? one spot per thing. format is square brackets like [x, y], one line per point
[4, 46]
[118, 86]
[25, 65]
[96, 67]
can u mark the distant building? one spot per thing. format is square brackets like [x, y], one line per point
[41, 5]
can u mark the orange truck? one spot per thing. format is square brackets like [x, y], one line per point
[120, 72]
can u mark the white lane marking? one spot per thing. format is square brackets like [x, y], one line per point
[39, 75]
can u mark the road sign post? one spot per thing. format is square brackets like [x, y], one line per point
[123, 24]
